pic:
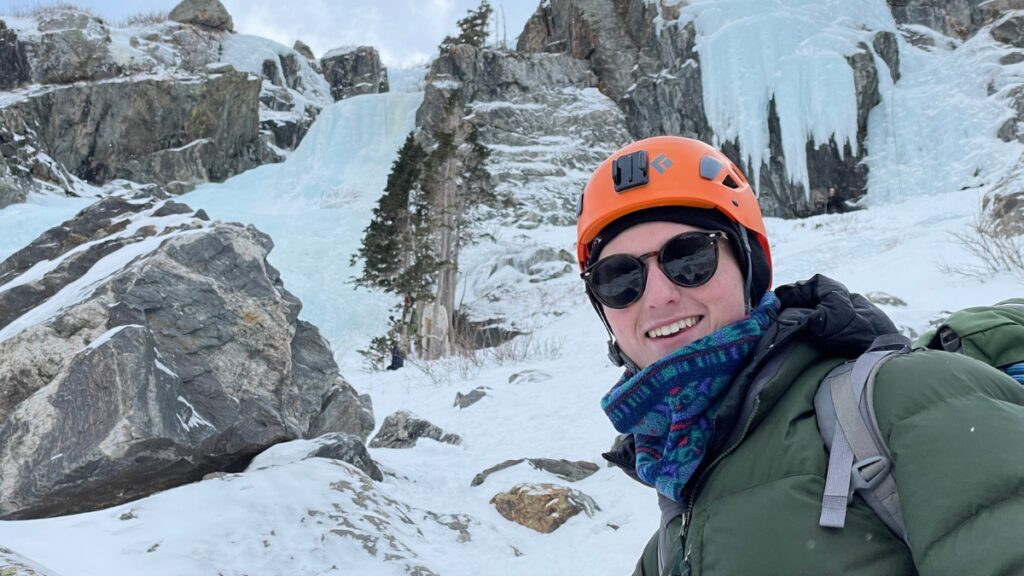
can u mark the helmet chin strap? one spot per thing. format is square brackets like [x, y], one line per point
[615, 354]
[748, 305]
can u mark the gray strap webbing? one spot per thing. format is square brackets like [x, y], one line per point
[855, 457]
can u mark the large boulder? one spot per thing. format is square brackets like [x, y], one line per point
[354, 71]
[206, 13]
[142, 347]
[161, 131]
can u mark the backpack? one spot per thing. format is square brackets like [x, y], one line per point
[859, 461]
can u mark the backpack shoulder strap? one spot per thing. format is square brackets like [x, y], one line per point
[859, 460]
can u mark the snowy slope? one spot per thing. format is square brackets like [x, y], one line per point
[933, 154]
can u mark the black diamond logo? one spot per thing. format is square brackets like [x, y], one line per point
[662, 163]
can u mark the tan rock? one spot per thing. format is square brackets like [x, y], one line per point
[542, 507]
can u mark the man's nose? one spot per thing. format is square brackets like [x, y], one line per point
[660, 290]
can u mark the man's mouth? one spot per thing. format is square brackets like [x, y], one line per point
[673, 328]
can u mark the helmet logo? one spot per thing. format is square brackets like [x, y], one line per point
[662, 163]
[630, 171]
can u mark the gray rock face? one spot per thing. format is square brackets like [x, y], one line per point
[591, 30]
[71, 46]
[159, 347]
[957, 18]
[14, 68]
[1010, 31]
[655, 78]
[885, 45]
[358, 71]
[402, 429]
[526, 130]
[159, 131]
[207, 13]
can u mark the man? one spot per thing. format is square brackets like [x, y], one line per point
[716, 402]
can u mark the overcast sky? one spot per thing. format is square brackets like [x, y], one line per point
[404, 31]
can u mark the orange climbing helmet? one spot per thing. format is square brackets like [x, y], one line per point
[666, 171]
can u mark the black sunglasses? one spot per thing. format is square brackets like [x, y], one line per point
[689, 260]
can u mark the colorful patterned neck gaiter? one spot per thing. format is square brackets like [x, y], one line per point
[668, 406]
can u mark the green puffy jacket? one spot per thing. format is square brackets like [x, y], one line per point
[955, 427]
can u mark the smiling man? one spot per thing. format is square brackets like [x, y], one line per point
[717, 402]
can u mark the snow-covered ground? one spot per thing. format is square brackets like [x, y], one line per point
[276, 518]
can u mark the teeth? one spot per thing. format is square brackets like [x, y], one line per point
[672, 328]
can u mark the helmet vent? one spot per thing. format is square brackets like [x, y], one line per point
[730, 182]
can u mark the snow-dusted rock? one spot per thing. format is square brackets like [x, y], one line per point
[542, 507]
[402, 429]
[14, 69]
[207, 13]
[70, 46]
[572, 471]
[354, 71]
[956, 18]
[142, 347]
[1010, 31]
[468, 399]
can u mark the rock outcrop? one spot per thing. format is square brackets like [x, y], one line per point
[510, 138]
[354, 71]
[652, 70]
[956, 18]
[166, 132]
[142, 347]
[542, 507]
[175, 102]
[71, 46]
[402, 429]
[207, 13]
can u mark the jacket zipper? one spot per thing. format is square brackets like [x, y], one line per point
[700, 479]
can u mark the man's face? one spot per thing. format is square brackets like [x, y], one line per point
[690, 313]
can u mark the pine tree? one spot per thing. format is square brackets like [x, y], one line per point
[385, 240]
[472, 28]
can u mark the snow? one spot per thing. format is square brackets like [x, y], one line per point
[932, 155]
[106, 336]
[194, 419]
[339, 51]
[247, 53]
[935, 128]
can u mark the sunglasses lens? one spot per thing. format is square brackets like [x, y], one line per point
[689, 259]
[617, 281]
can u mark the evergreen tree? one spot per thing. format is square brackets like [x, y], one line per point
[472, 28]
[385, 240]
